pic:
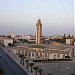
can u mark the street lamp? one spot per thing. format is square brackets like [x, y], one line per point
[59, 64]
[0, 58]
[14, 52]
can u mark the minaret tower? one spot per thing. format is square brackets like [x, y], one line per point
[38, 32]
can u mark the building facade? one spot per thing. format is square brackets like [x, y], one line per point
[40, 54]
[38, 32]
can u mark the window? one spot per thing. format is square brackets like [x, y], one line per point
[58, 55]
[40, 54]
[32, 54]
[45, 54]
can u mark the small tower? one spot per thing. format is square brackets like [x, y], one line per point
[38, 32]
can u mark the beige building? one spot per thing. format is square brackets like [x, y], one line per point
[69, 41]
[38, 53]
[38, 32]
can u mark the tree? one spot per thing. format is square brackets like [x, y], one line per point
[20, 39]
[9, 44]
[22, 59]
[64, 39]
[27, 63]
[25, 40]
[67, 57]
[31, 65]
[36, 69]
[40, 71]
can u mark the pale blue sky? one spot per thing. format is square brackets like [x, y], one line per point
[20, 16]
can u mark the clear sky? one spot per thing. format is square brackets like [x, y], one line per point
[20, 16]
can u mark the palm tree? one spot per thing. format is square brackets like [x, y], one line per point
[21, 58]
[27, 63]
[31, 65]
[36, 69]
[40, 71]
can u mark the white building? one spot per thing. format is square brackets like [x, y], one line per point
[69, 41]
[28, 37]
[46, 54]
[7, 41]
[13, 35]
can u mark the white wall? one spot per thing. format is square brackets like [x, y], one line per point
[51, 56]
[32, 54]
[7, 41]
[55, 56]
[61, 56]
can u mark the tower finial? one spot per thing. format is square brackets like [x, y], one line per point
[39, 18]
[39, 21]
